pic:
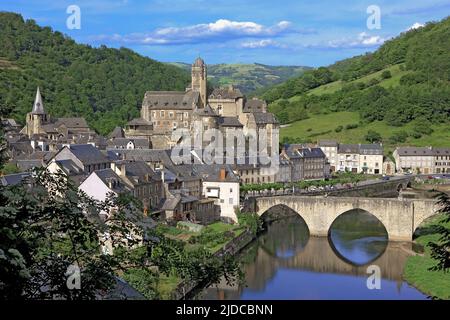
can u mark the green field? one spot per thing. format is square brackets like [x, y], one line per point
[318, 127]
[386, 83]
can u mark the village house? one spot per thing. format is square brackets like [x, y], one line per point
[422, 160]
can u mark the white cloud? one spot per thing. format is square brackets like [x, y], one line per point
[416, 25]
[362, 40]
[262, 44]
[218, 31]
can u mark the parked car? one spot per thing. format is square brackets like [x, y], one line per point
[385, 178]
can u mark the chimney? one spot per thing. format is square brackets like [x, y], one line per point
[222, 174]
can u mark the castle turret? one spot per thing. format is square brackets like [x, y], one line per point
[199, 79]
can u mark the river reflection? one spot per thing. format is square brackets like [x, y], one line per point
[286, 263]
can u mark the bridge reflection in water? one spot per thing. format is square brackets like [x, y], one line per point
[286, 263]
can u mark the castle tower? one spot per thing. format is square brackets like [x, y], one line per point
[199, 80]
[37, 117]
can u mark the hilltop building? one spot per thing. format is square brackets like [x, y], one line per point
[225, 109]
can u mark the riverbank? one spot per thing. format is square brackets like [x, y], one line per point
[417, 273]
[233, 247]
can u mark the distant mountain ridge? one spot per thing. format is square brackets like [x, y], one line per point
[248, 77]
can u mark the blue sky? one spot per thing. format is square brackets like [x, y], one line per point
[282, 32]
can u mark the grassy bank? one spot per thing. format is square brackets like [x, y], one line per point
[417, 273]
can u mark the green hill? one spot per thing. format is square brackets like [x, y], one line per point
[102, 84]
[248, 77]
[403, 86]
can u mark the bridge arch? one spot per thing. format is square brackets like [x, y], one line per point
[359, 223]
[399, 217]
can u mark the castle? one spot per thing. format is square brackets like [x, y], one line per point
[225, 109]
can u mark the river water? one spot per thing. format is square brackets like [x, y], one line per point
[286, 263]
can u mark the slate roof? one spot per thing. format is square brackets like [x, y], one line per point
[230, 122]
[171, 100]
[139, 122]
[147, 155]
[212, 172]
[38, 105]
[226, 93]
[26, 165]
[254, 105]
[78, 123]
[172, 202]
[422, 151]
[312, 153]
[69, 167]
[328, 143]
[348, 148]
[205, 112]
[265, 118]
[107, 176]
[117, 133]
[371, 149]
[88, 154]
[138, 171]
[122, 143]
[14, 179]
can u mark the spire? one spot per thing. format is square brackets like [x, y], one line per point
[38, 106]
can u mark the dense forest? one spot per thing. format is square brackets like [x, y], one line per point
[423, 91]
[104, 85]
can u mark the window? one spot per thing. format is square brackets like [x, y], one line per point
[186, 115]
[162, 114]
[170, 115]
[230, 201]
[186, 124]
[231, 190]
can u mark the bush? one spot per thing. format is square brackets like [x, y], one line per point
[386, 75]
[351, 126]
[399, 137]
[339, 128]
[373, 136]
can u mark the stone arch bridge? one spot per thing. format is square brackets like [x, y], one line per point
[400, 217]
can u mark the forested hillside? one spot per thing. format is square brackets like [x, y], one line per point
[406, 79]
[106, 86]
[248, 77]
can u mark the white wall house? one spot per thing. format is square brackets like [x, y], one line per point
[226, 195]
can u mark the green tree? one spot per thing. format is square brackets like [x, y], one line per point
[48, 227]
[373, 136]
[386, 75]
[440, 251]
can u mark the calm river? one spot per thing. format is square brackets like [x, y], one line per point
[286, 263]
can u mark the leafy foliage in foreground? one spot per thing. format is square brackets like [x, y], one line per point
[440, 250]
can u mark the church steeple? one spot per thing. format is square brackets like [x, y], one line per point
[38, 105]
